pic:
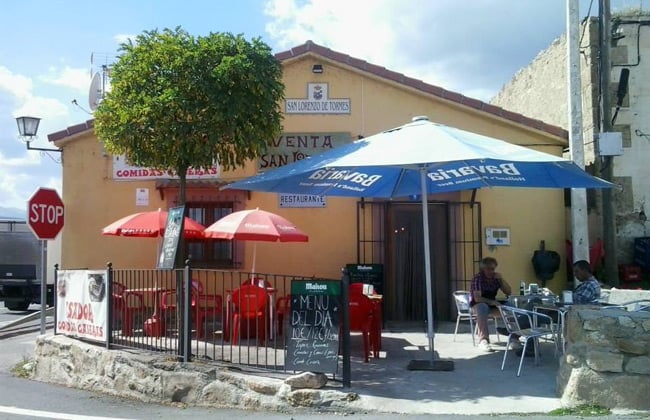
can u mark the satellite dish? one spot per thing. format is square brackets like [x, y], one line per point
[95, 94]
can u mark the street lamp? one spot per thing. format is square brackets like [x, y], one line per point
[27, 129]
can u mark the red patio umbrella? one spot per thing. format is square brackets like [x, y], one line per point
[255, 225]
[150, 224]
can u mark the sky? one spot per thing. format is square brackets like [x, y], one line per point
[50, 49]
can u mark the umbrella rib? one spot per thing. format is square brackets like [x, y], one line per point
[399, 182]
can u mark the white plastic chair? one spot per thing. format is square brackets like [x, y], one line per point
[464, 313]
[514, 320]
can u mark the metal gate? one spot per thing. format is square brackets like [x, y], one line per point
[390, 233]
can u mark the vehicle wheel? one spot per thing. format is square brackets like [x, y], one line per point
[17, 306]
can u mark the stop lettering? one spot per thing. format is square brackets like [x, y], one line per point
[45, 213]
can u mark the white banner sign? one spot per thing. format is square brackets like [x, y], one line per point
[81, 304]
[122, 171]
[302, 200]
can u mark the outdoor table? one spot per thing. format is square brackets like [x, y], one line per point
[155, 325]
[148, 294]
[526, 301]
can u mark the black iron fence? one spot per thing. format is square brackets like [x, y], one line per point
[190, 313]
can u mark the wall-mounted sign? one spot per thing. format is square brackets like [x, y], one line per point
[292, 147]
[142, 196]
[317, 102]
[122, 171]
[302, 200]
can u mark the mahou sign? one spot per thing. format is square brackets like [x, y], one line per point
[45, 213]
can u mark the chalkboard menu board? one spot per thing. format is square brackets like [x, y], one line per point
[173, 229]
[314, 323]
[367, 274]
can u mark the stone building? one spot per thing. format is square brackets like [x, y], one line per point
[540, 91]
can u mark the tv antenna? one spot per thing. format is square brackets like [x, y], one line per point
[100, 82]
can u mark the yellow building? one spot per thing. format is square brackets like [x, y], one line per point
[331, 99]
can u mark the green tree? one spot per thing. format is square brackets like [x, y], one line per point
[179, 101]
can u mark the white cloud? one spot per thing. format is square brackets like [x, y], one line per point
[21, 170]
[468, 46]
[77, 79]
[14, 84]
[16, 178]
[122, 38]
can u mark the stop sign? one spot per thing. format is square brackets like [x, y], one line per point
[45, 213]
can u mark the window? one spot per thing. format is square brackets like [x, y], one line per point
[210, 253]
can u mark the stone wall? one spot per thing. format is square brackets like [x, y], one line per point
[607, 361]
[162, 379]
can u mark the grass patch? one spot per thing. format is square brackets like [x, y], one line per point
[585, 410]
[23, 369]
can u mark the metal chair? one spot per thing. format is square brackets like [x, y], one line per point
[527, 325]
[464, 313]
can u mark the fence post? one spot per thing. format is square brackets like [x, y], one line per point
[345, 303]
[109, 300]
[56, 284]
[187, 317]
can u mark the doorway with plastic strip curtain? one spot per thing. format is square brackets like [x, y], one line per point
[455, 232]
[406, 289]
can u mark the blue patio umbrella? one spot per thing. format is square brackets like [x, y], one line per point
[421, 158]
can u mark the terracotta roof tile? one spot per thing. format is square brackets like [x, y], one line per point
[71, 131]
[311, 47]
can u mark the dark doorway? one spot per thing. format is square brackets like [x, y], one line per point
[405, 296]
[390, 234]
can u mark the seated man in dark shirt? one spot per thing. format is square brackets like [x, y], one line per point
[485, 285]
[589, 289]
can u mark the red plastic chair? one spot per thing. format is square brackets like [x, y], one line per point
[205, 306]
[131, 306]
[249, 312]
[362, 320]
[117, 300]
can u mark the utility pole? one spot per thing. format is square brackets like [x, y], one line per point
[607, 162]
[579, 225]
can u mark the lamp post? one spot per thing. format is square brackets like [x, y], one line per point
[27, 129]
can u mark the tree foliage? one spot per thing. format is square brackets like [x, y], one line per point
[179, 101]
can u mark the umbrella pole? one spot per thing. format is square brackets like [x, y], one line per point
[254, 256]
[427, 259]
[432, 364]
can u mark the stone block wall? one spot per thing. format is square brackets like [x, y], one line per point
[607, 361]
[162, 379]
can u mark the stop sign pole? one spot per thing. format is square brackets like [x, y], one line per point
[45, 217]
